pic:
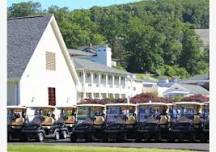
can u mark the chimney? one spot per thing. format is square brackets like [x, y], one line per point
[104, 55]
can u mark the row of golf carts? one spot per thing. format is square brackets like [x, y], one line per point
[112, 122]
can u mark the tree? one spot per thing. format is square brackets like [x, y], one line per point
[24, 9]
[147, 36]
[192, 57]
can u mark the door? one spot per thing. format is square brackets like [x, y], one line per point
[52, 96]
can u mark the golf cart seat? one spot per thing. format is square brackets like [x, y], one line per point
[99, 120]
[70, 120]
[18, 122]
[163, 119]
[48, 121]
[130, 120]
[196, 119]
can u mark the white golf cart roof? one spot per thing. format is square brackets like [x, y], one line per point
[154, 104]
[90, 105]
[121, 104]
[188, 103]
[66, 107]
[16, 107]
[42, 107]
[206, 103]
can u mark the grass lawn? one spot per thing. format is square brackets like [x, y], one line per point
[68, 148]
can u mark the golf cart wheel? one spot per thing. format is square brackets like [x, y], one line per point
[64, 135]
[9, 137]
[40, 137]
[159, 137]
[73, 138]
[89, 138]
[57, 136]
[24, 139]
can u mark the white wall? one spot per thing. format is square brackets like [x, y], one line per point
[36, 79]
[12, 93]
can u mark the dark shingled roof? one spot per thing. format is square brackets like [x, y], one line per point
[24, 34]
[74, 52]
[86, 64]
[193, 89]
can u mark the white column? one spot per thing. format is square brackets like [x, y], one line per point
[106, 76]
[92, 77]
[119, 81]
[99, 79]
[84, 78]
[83, 84]
[100, 96]
[113, 80]
[84, 95]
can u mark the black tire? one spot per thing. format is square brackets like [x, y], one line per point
[63, 135]
[158, 137]
[9, 137]
[89, 138]
[57, 135]
[73, 138]
[24, 139]
[40, 137]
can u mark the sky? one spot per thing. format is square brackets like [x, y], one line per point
[74, 4]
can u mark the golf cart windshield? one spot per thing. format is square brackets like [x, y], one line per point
[40, 115]
[187, 111]
[206, 112]
[86, 113]
[148, 111]
[14, 114]
[118, 114]
[66, 114]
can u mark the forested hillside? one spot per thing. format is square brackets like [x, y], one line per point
[154, 36]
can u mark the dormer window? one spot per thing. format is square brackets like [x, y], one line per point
[50, 61]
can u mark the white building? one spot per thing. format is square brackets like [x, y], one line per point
[40, 71]
[99, 79]
[175, 87]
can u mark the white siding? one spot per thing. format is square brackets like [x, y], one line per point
[12, 93]
[36, 79]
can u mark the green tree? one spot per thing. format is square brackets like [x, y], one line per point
[24, 9]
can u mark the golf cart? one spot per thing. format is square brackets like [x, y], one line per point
[66, 120]
[16, 117]
[90, 122]
[41, 124]
[205, 122]
[152, 121]
[185, 120]
[120, 121]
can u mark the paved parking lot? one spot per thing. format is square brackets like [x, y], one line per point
[188, 146]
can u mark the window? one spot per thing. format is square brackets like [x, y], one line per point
[88, 75]
[50, 61]
[80, 74]
[95, 76]
[52, 96]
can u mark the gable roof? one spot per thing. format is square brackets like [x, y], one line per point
[85, 64]
[24, 34]
[192, 89]
[201, 78]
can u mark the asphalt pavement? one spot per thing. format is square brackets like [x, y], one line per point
[183, 146]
